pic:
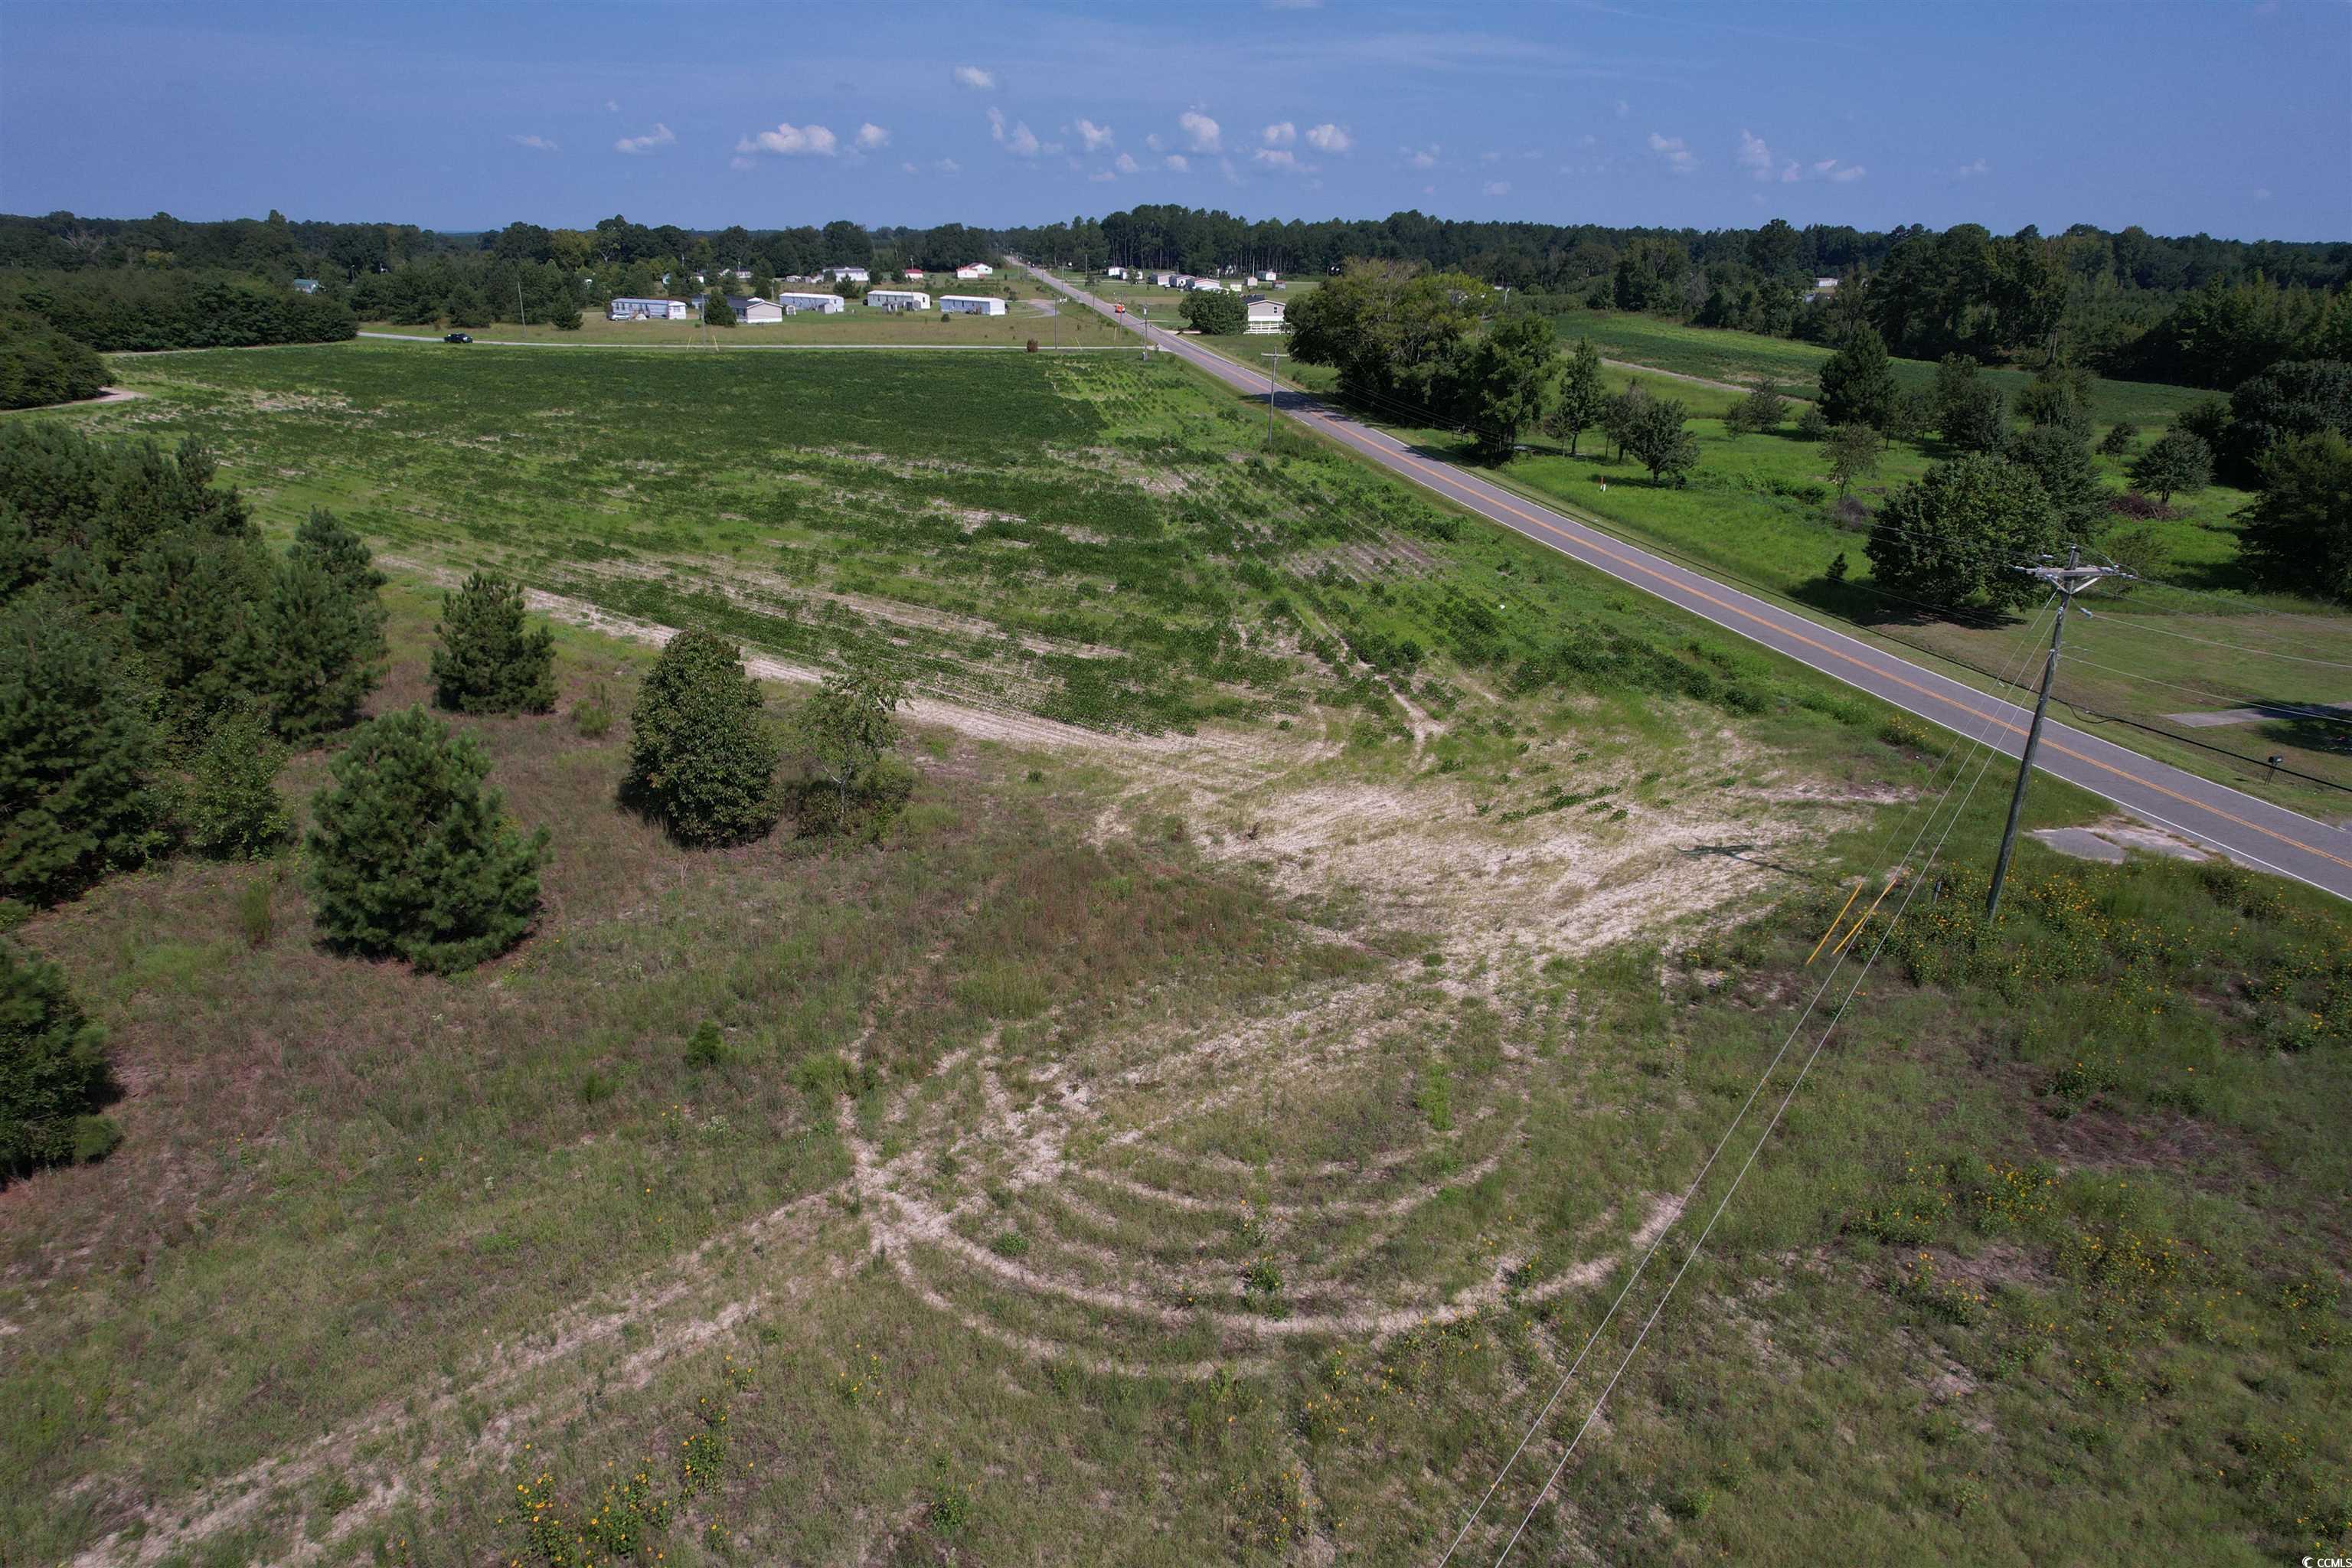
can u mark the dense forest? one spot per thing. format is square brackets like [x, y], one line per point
[2197, 310]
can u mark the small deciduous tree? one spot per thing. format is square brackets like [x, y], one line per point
[845, 733]
[1760, 410]
[1858, 384]
[491, 659]
[231, 808]
[1660, 440]
[1621, 414]
[1811, 424]
[1852, 452]
[53, 1073]
[77, 754]
[702, 756]
[411, 857]
[2062, 462]
[2177, 463]
[1581, 399]
[2298, 529]
[1952, 539]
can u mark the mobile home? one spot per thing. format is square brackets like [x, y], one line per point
[898, 299]
[972, 305]
[648, 311]
[806, 304]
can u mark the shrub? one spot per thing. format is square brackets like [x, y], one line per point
[491, 659]
[593, 715]
[76, 751]
[2131, 503]
[1812, 424]
[53, 1073]
[1215, 313]
[706, 1048]
[231, 809]
[257, 914]
[411, 857]
[702, 758]
[2119, 439]
[1950, 537]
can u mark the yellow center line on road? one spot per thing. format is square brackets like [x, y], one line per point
[1442, 479]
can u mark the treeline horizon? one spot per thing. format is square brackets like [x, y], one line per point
[2192, 309]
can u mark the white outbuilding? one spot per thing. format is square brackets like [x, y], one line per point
[972, 305]
[972, 271]
[898, 299]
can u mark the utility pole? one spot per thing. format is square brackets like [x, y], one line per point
[2069, 580]
[1271, 361]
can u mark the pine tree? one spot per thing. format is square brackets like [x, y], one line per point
[491, 660]
[411, 858]
[53, 1073]
[77, 750]
[321, 647]
[702, 757]
[1858, 384]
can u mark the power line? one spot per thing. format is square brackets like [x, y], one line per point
[1961, 748]
[2287, 709]
[1762, 1138]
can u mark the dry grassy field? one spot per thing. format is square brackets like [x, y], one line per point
[1324, 947]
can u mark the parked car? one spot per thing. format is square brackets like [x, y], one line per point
[458, 338]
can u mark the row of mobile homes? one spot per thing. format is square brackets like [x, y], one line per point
[970, 305]
[898, 299]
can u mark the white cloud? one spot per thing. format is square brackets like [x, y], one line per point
[1679, 158]
[973, 77]
[536, 143]
[659, 136]
[1848, 175]
[790, 141]
[949, 166]
[1179, 163]
[1421, 158]
[1328, 138]
[611, 106]
[1754, 154]
[1204, 134]
[1970, 171]
[1281, 134]
[1490, 157]
[1791, 174]
[1095, 137]
[1498, 187]
[1283, 161]
[2262, 193]
[1019, 138]
[1125, 163]
[1624, 108]
[1097, 179]
[739, 162]
[1429, 190]
[1825, 165]
[1226, 167]
[870, 136]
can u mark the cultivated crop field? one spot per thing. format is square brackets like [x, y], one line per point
[1323, 948]
[855, 323]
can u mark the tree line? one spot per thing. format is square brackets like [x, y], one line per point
[159, 662]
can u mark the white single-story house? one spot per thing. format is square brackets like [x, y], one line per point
[1114, 271]
[305, 285]
[1266, 316]
[972, 305]
[912, 274]
[751, 310]
[898, 299]
[971, 270]
[817, 304]
[1821, 289]
[648, 311]
[1163, 279]
[849, 274]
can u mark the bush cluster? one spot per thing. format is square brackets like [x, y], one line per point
[39, 365]
[114, 312]
[53, 1073]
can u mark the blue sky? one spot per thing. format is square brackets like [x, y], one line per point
[2232, 118]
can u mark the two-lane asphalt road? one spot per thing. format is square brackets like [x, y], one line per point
[2238, 825]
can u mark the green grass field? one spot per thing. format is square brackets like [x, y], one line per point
[1206, 1130]
[855, 324]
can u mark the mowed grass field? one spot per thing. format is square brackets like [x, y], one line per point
[855, 323]
[1086, 1178]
